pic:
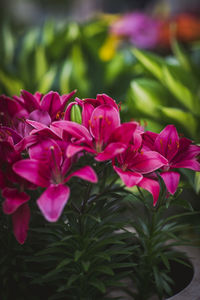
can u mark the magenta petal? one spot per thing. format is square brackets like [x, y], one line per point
[151, 186]
[13, 200]
[40, 116]
[20, 220]
[76, 130]
[87, 110]
[123, 133]
[111, 151]
[30, 101]
[147, 162]
[35, 171]
[129, 178]
[51, 103]
[73, 149]
[105, 99]
[171, 180]
[65, 98]
[86, 173]
[188, 164]
[149, 138]
[46, 150]
[167, 142]
[67, 115]
[104, 120]
[53, 200]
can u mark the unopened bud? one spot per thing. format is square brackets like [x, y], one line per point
[76, 114]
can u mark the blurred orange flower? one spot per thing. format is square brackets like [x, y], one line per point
[184, 27]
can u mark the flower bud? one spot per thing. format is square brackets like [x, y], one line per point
[76, 114]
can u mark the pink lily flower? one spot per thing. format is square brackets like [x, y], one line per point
[88, 105]
[52, 102]
[135, 165]
[104, 137]
[180, 153]
[48, 168]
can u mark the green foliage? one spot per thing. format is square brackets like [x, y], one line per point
[63, 57]
[169, 92]
[80, 257]
[157, 233]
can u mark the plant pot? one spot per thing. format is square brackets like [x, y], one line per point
[192, 290]
[187, 280]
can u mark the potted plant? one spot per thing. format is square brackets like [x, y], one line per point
[67, 174]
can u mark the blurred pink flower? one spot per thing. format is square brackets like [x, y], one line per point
[139, 28]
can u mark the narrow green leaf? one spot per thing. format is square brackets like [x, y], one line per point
[181, 55]
[147, 95]
[47, 80]
[77, 255]
[183, 85]
[8, 44]
[99, 285]
[86, 265]
[11, 85]
[197, 182]
[153, 63]
[40, 63]
[65, 75]
[185, 119]
[104, 269]
[71, 279]
[63, 263]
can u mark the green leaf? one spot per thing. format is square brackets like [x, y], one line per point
[77, 255]
[181, 55]
[65, 75]
[40, 63]
[48, 33]
[11, 85]
[8, 44]
[153, 63]
[104, 256]
[47, 80]
[71, 279]
[185, 119]
[183, 85]
[86, 265]
[147, 95]
[104, 269]
[63, 263]
[197, 182]
[98, 284]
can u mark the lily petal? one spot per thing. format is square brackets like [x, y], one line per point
[111, 151]
[53, 200]
[151, 186]
[35, 171]
[30, 101]
[86, 173]
[20, 221]
[40, 116]
[13, 200]
[104, 120]
[123, 133]
[167, 142]
[129, 178]
[51, 103]
[171, 180]
[76, 130]
[147, 162]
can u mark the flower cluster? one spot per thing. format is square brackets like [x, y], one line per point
[42, 137]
